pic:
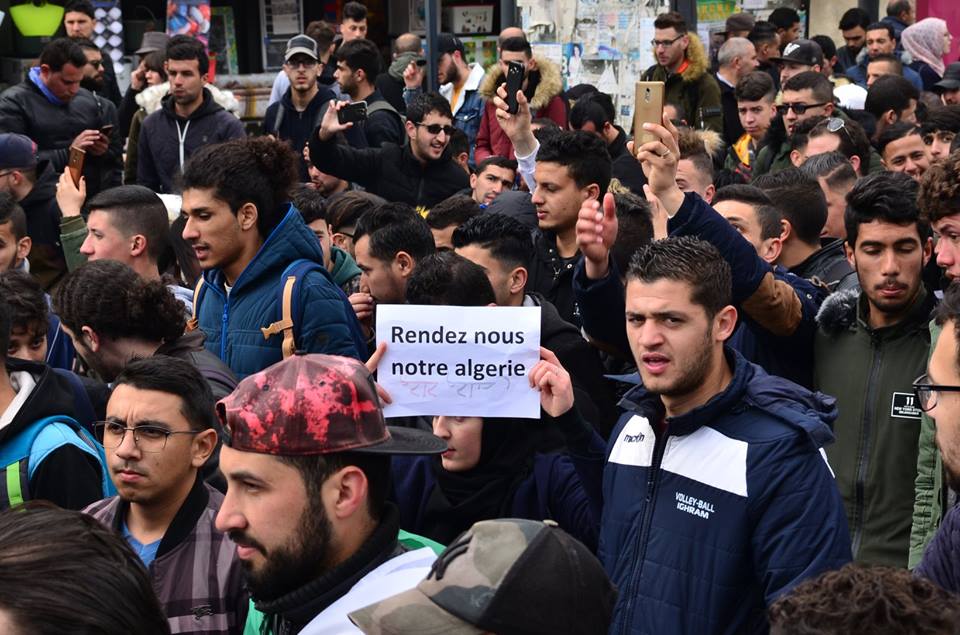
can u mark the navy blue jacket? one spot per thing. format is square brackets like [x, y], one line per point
[601, 302]
[705, 524]
[941, 560]
[327, 324]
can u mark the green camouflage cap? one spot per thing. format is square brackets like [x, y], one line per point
[495, 577]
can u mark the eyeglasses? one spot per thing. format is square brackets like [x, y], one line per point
[798, 108]
[926, 393]
[307, 64]
[943, 136]
[664, 43]
[436, 128]
[147, 438]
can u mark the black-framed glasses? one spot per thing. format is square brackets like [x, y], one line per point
[798, 108]
[665, 43]
[926, 393]
[299, 63]
[148, 438]
[436, 128]
[943, 136]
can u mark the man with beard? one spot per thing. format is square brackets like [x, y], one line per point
[419, 173]
[358, 63]
[307, 462]
[188, 120]
[870, 346]
[938, 394]
[79, 21]
[297, 114]
[93, 75]
[163, 508]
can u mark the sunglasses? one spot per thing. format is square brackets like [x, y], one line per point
[797, 108]
[436, 128]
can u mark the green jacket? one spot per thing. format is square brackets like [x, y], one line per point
[345, 272]
[695, 89]
[929, 505]
[871, 372]
[73, 231]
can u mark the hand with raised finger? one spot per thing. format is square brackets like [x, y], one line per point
[372, 364]
[596, 232]
[413, 75]
[553, 382]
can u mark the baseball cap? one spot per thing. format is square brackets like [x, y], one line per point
[739, 22]
[496, 577]
[801, 52]
[17, 151]
[951, 78]
[315, 404]
[301, 44]
[448, 43]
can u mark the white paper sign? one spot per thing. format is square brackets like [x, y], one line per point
[459, 361]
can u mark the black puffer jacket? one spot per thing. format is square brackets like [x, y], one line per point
[40, 206]
[391, 172]
[25, 110]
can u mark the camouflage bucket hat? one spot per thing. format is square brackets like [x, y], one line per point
[492, 579]
[315, 404]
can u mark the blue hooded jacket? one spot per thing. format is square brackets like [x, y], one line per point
[325, 323]
[706, 524]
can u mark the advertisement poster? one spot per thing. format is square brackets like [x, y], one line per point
[189, 17]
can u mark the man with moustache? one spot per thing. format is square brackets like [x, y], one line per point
[716, 497]
[871, 344]
[307, 462]
[158, 434]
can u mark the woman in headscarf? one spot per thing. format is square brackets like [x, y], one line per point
[492, 469]
[927, 41]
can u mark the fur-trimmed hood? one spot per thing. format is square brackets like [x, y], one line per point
[839, 311]
[151, 98]
[551, 83]
[697, 55]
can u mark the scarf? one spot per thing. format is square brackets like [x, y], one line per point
[924, 42]
[38, 81]
[462, 498]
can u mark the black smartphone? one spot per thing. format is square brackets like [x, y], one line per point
[515, 71]
[354, 112]
[106, 130]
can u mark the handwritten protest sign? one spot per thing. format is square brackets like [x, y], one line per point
[459, 361]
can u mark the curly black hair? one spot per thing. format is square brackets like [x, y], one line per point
[26, 299]
[939, 194]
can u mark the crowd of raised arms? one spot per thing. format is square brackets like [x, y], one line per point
[748, 380]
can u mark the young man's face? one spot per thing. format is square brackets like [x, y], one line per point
[516, 56]
[938, 144]
[104, 241]
[949, 97]
[743, 217]
[12, 249]
[557, 197]
[157, 469]
[302, 71]
[186, 80]
[690, 179]
[78, 24]
[430, 137]
[947, 230]
[324, 183]
[384, 278]
[64, 83]
[805, 97]
[755, 116]
[322, 231]
[906, 154]
[283, 538]
[878, 69]
[879, 42]
[93, 71]
[670, 47]
[789, 35]
[855, 38]
[464, 444]
[670, 336]
[488, 184]
[836, 207]
[28, 342]
[943, 371]
[352, 29]
[212, 229]
[889, 260]
[447, 69]
[502, 277]
[348, 79]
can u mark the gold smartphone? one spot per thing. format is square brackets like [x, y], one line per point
[75, 164]
[647, 108]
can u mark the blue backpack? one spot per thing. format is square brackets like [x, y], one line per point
[21, 455]
[288, 299]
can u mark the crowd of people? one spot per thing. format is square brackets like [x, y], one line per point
[749, 366]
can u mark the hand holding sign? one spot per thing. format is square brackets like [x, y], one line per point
[553, 382]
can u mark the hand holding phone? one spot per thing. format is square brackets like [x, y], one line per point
[352, 113]
[75, 164]
[106, 130]
[515, 73]
[647, 108]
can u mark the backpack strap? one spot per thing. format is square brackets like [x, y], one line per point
[193, 323]
[285, 323]
[278, 119]
[377, 106]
